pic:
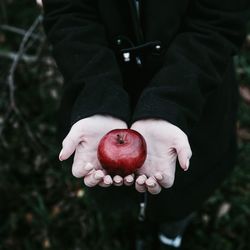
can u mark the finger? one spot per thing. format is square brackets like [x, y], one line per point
[159, 176]
[106, 182]
[184, 154]
[117, 180]
[140, 184]
[165, 181]
[108, 179]
[94, 178]
[80, 169]
[129, 180]
[70, 143]
[153, 186]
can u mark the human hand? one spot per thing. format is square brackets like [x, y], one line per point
[83, 139]
[165, 142]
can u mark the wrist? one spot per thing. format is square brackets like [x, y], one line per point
[105, 118]
[157, 124]
[152, 122]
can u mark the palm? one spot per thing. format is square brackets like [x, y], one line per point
[160, 158]
[83, 139]
[161, 153]
[90, 135]
[165, 142]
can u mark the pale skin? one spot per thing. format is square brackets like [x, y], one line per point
[165, 143]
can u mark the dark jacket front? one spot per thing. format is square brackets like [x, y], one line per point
[175, 63]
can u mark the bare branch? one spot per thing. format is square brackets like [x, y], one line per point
[18, 31]
[10, 79]
[11, 84]
[13, 56]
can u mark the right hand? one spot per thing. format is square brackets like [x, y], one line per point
[83, 139]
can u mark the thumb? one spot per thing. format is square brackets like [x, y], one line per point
[184, 154]
[69, 144]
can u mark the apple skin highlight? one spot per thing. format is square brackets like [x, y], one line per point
[122, 151]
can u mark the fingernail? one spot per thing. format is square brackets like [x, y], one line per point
[129, 179]
[187, 165]
[107, 182]
[108, 179]
[98, 175]
[60, 156]
[140, 182]
[117, 180]
[88, 166]
[151, 184]
[159, 176]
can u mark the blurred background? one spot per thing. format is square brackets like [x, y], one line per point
[41, 205]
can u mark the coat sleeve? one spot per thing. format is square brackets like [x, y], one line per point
[194, 62]
[88, 65]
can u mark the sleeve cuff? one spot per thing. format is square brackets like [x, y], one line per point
[150, 106]
[101, 98]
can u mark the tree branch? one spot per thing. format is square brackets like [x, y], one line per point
[10, 78]
[13, 56]
[18, 31]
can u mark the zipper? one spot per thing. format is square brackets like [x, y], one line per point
[139, 42]
[135, 6]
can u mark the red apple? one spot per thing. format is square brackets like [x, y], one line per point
[122, 151]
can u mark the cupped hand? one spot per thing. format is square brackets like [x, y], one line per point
[83, 139]
[165, 142]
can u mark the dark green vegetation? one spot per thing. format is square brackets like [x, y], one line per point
[41, 205]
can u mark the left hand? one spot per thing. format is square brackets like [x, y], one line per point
[165, 142]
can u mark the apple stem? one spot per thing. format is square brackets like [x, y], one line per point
[120, 139]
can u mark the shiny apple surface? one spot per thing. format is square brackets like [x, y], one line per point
[122, 151]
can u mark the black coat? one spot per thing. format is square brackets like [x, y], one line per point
[175, 62]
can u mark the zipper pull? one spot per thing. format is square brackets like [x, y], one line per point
[126, 56]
